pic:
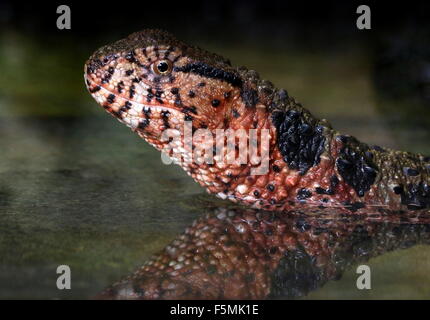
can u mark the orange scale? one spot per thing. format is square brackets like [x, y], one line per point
[292, 180]
[261, 181]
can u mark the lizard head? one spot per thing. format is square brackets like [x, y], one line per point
[152, 82]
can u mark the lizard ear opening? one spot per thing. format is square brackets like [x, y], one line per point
[162, 67]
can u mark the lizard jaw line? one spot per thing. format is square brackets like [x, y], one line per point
[133, 116]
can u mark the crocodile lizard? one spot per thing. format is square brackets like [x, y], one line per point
[154, 83]
[249, 254]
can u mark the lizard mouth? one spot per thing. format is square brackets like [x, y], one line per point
[133, 113]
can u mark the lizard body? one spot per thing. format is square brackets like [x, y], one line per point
[155, 84]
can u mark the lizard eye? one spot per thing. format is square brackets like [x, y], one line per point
[162, 67]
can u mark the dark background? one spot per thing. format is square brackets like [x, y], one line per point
[93, 18]
[399, 36]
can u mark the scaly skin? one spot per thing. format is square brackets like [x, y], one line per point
[246, 254]
[152, 82]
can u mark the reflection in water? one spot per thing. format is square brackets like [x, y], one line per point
[248, 254]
